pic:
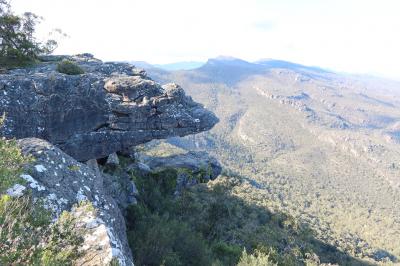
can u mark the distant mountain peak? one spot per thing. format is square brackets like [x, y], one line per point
[226, 58]
[228, 61]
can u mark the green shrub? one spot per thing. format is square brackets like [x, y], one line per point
[62, 242]
[28, 236]
[74, 167]
[227, 254]
[165, 241]
[258, 258]
[69, 68]
[22, 227]
[114, 262]
[11, 161]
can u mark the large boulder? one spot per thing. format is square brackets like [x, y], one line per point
[64, 183]
[191, 168]
[109, 108]
[195, 161]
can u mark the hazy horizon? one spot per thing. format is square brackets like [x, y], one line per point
[346, 36]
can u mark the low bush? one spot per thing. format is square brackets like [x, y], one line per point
[166, 241]
[70, 68]
[11, 161]
[256, 259]
[28, 236]
[226, 254]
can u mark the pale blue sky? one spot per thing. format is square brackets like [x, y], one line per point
[345, 35]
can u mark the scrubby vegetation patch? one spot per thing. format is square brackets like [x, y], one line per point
[70, 68]
[209, 224]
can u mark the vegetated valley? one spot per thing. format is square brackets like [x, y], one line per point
[315, 145]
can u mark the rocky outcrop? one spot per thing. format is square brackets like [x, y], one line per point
[64, 120]
[109, 108]
[191, 168]
[194, 161]
[62, 183]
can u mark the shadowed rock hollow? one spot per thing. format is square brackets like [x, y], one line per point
[111, 107]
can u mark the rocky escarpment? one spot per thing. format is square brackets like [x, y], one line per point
[109, 108]
[66, 123]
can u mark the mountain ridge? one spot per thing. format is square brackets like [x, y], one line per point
[268, 63]
[227, 60]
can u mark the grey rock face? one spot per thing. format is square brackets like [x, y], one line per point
[113, 159]
[109, 108]
[121, 187]
[62, 182]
